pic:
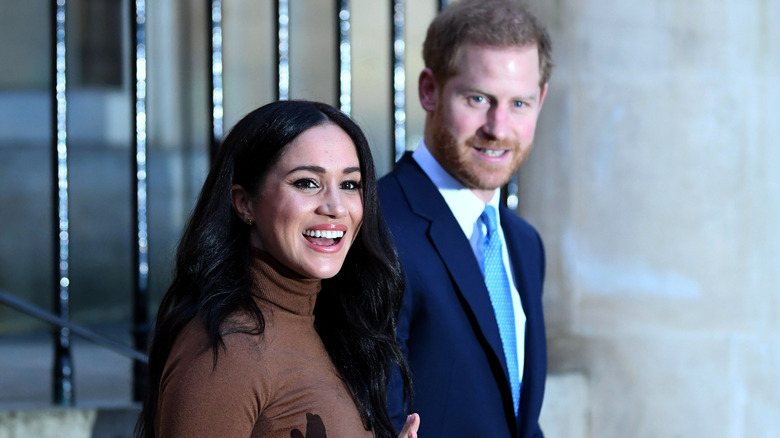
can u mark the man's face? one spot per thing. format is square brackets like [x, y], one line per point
[481, 122]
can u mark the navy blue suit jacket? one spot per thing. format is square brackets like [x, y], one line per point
[447, 326]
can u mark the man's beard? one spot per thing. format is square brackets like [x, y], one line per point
[474, 175]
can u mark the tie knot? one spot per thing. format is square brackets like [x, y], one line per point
[488, 217]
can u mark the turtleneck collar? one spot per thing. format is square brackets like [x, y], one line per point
[279, 285]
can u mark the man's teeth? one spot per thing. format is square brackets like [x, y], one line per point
[493, 152]
[324, 233]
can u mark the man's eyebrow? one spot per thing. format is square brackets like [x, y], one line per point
[532, 96]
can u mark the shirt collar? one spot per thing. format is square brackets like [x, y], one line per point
[464, 204]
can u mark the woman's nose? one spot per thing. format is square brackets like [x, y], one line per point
[332, 204]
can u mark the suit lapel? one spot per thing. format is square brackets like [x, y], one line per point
[454, 249]
[463, 268]
[534, 334]
[522, 267]
[515, 248]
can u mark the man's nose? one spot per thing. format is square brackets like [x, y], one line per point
[497, 123]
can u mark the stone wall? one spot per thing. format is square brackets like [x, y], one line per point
[655, 183]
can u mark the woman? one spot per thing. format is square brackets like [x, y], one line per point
[280, 320]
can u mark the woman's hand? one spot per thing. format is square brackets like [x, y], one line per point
[411, 426]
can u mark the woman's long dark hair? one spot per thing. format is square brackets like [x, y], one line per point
[356, 311]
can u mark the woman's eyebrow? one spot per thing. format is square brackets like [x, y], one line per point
[312, 168]
[320, 169]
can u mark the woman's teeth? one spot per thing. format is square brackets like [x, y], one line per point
[324, 233]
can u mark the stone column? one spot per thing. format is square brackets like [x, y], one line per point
[655, 183]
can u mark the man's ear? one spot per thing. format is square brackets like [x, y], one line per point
[242, 203]
[542, 95]
[428, 90]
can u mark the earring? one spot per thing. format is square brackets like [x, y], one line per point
[249, 222]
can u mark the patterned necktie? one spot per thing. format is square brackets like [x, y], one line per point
[500, 296]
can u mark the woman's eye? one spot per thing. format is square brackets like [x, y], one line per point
[350, 185]
[305, 183]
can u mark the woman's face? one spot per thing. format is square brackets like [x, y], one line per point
[310, 205]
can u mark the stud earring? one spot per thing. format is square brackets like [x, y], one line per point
[249, 222]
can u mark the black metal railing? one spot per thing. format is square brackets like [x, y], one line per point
[63, 390]
[21, 305]
[141, 325]
[63, 363]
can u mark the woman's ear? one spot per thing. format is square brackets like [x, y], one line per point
[242, 203]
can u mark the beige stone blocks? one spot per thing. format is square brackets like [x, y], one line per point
[655, 183]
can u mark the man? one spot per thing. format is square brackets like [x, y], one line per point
[487, 66]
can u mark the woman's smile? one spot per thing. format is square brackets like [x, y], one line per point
[325, 237]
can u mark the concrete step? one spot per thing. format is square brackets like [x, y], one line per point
[102, 388]
[101, 377]
[69, 422]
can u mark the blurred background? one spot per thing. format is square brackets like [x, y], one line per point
[654, 182]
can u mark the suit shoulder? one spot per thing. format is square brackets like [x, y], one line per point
[387, 182]
[390, 191]
[510, 219]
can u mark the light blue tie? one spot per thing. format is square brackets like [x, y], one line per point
[500, 296]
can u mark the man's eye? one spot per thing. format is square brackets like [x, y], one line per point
[305, 183]
[478, 99]
[519, 104]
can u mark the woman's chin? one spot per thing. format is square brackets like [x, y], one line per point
[322, 269]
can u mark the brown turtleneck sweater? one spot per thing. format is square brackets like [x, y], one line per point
[279, 384]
